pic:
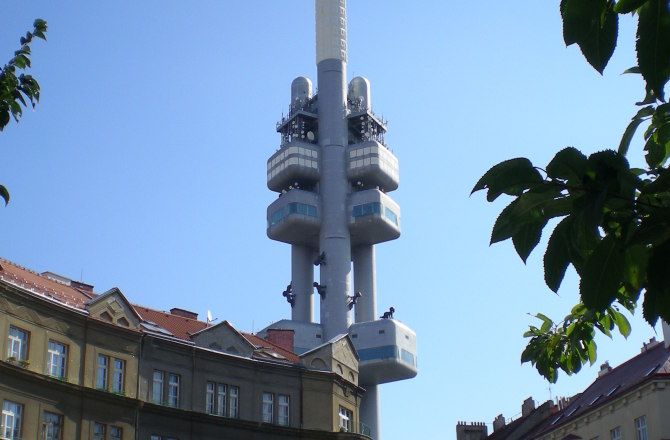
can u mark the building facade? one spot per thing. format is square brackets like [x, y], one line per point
[78, 365]
[629, 402]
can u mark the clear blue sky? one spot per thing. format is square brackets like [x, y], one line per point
[143, 167]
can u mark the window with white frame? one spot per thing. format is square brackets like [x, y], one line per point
[173, 390]
[102, 372]
[17, 344]
[12, 415]
[268, 407]
[52, 426]
[345, 417]
[283, 409]
[56, 359]
[234, 401]
[115, 433]
[118, 375]
[221, 394]
[99, 431]
[641, 428]
[157, 387]
[210, 398]
[615, 434]
[217, 399]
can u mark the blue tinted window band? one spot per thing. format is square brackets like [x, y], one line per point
[367, 209]
[383, 352]
[407, 357]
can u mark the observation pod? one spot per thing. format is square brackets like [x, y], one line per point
[386, 351]
[372, 165]
[294, 218]
[294, 165]
[373, 217]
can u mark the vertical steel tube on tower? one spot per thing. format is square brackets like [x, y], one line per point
[334, 238]
[302, 280]
[365, 282]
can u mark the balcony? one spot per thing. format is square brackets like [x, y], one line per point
[295, 162]
[373, 217]
[294, 218]
[386, 350]
[370, 165]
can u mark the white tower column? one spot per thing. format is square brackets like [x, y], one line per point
[369, 412]
[334, 238]
[302, 279]
[365, 281]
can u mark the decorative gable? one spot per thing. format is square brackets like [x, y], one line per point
[337, 355]
[223, 337]
[113, 307]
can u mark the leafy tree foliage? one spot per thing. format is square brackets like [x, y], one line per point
[18, 91]
[614, 220]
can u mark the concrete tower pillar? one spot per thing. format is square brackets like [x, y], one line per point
[302, 279]
[334, 238]
[365, 281]
[369, 412]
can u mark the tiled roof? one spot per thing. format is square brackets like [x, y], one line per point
[653, 361]
[43, 286]
[267, 348]
[180, 327]
[155, 321]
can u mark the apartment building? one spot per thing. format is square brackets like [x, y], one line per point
[82, 365]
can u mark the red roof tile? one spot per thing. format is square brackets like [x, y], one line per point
[260, 342]
[46, 287]
[180, 326]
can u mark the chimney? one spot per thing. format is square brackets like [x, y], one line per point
[82, 286]
[498, 423]
[281, 337]
[183, 313]
[471, 431]
[647, 345]
[527, 407]
[666, 333]
[604, 369]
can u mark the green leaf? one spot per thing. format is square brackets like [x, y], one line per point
[656, 155]
[632, 127]
[526, 209]
[599, 47]
[591, 347]
[509, 177]
[4, 194]
[657, 297]
[634, 69]
[546, 322]
[569, 164]
[593, 25]
[626, 6]
[620, 321]
[635, 266]
[40, 28]
[527, 238]
[602, 274]
[578, 17]
[653, 45]
[557, 255]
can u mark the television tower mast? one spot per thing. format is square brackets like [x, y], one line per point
[333, 171]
